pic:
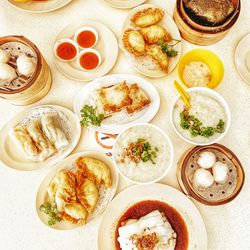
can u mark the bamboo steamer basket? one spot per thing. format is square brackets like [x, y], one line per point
[186, 186]
[203, 35]
[37, 86]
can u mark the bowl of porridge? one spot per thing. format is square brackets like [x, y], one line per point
[143, 153]
[206, 122]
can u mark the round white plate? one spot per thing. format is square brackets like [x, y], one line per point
[106, 195]
[242, 58]
[119, 121]
[124, 4]
[107, 46]
[40, 6]
[173, 197]
[13, 157]
[167, 22]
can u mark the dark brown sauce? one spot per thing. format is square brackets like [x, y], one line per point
[145, 207]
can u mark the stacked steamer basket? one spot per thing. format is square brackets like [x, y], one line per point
[201, 33]
[25, 90]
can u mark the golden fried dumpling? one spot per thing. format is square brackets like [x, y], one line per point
[147, 17]
[95, 170]
[87, 192]
[133, 42]
[154, 34]
[75, 213]
[24, 141]
[158, 56]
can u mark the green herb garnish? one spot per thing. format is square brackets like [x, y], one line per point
[52, 212]
[141, 150]
[169, 49]
[194, 125]
[90, 117]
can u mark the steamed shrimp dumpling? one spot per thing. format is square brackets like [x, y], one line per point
[133, 42]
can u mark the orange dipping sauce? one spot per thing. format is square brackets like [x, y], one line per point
[66, 51]
[86, 39]
[89, 61]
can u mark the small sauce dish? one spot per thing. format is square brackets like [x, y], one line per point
[86, 37]
[89, 59]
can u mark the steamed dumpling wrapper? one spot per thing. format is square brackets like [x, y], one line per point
[95, 170]
[53, 131]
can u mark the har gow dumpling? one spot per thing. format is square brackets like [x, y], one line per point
[220, 172]
[25, 65]
[7, 73]
[4, 56]
[206, 159]
[202, 178]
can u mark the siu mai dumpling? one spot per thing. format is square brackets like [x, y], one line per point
[95, 170]
[53, 131]
[154, 34]
[87, 192]
[24, 141]
[147, 17]
[45, 148]
[158, 56]
[133, 42]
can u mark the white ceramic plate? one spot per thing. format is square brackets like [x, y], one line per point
[13, 157]
[168, 152]
[123, 4]
[106, 195]
[213, 94]
[40, 6]
[242, 58]
[107, 46]
[119, 121]
[167, 22]
[173, 197]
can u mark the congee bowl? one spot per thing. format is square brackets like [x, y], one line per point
[210, 59]
[143, 172]
[212, 98]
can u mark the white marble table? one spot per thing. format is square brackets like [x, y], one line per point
[227, 226]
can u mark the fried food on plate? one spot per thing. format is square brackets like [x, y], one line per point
[158, 56]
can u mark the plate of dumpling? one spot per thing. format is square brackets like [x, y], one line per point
[77, 190]
[38, 137]
[151, 40]
[152, 217]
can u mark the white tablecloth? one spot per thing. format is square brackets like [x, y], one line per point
[20, 228]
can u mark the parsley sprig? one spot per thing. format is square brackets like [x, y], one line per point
[169, 49]
[90, 116]
[52, 212]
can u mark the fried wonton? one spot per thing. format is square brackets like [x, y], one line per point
[87, 192]
[158, 56]
[95, 170]
[154, 34]
[147, 17]
[133, 42]
[139, 99]
[115, 97]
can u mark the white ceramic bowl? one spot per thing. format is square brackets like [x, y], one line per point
[168, 163]
[86, 28]
[64, 40]
[86, 51]
[217, 97]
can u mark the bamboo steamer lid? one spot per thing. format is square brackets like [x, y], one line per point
[33, 88]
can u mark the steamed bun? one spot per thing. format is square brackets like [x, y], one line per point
[220, 171]
[202, 178]
[206, 159]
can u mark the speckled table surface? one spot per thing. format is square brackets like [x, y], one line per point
[227, 226]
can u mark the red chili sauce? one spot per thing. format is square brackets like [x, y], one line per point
[66, 51]
[145, 207]
[86, 39]
[89, 60]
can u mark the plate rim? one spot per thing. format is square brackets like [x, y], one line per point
[129, 6]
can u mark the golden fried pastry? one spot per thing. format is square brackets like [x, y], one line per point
[133, 42]
[158, 56]
[94, 170]
[154, 34]
[75, 213]
[87, 192]
[147, 17]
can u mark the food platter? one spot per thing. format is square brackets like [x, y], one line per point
[13, 157]
[128, 197]
[124, 4]
[120, 121]
[141, 65]
[106, 40]
[106, 195]
[40, 7]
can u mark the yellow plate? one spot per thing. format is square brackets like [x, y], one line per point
[211, 59]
